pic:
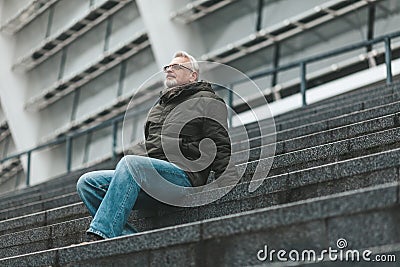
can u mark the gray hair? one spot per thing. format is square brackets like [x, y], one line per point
[193, 62]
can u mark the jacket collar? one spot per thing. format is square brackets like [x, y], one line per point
[191, 88]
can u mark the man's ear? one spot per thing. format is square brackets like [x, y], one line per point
[195, 75]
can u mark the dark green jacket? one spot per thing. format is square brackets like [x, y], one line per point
[182, 118]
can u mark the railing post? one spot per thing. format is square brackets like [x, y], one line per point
[114, 140]
[28, 168]
[275, 64]
[69, 153]
[230, 105]
[388, 61]
[259, 14]
[303, 86]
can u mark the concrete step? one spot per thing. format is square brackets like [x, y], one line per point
[331, 152]
[287, 157]
[40, 205]
[283, 161]
[275, 190]
[69, 186]
[44, 191]
[371, 89]
[315, 139]
[323, 125]
[365, 94]
[287, 146]
[45, 237]
[338, 112]
[333, 107]
[57, 182]
[253, 128]
[235, 240]
[43, 218]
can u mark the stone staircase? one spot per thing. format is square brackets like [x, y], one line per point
[335, 175]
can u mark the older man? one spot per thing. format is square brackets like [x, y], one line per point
[110, 195]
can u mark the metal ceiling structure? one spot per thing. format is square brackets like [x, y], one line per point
[76, 80]
[117, 107]
[198, 9]
[64, 37]
[26, 15]
[288, 28]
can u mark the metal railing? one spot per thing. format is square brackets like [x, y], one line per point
[67, 139]
[301, 64]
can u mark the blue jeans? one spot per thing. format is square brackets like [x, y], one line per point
[110, 195]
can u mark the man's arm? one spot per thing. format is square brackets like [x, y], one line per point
[215, 127]
[138, 149]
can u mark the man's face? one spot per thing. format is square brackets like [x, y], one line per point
[179, 76]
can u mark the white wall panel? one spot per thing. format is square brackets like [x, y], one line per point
[226, 25]
[86, 50]
[167, 36]
[321, 39]
[244, 90]
[134, 131]
[127, 128]
[43, 76]
[32, 35]
[276, 11]
[100, 145]
[66, 12]
[98, 93]
[98, 2]
[258, 60]
[324, 38]
[55, 155]
[56, 115]
[18, 181]
[11, 8]
[388, 17]
[78, 150]
[139, 68]
[125, 24]
[238, 20]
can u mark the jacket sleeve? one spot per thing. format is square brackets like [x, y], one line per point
[138, 149]
[215, 127]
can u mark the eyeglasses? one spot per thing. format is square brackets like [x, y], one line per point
[175, 67]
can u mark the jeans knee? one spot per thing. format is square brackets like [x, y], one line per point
[130, 168]
[81, 184]
[130, 162]
[131, 159]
